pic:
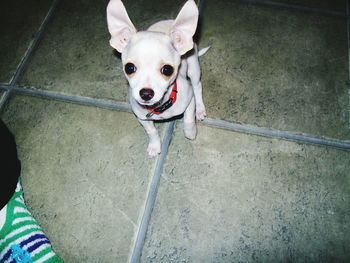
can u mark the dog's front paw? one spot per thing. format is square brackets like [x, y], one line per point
[200, 112]
[190, 130]
[153, 149]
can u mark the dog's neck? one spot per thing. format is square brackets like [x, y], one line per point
[164, 104]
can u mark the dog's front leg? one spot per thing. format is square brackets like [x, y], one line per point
[153, 148]
[190, 128]
[194, 73]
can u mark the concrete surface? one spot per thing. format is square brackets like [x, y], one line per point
[337, 5]
[225, 197]
[83, 172]
[19, 21]
[277, 69]
[230, 197]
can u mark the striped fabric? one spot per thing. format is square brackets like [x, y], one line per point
[21, 238]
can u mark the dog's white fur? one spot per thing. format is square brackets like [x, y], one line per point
[168, 42]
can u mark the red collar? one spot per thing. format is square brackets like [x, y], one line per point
[166, 105]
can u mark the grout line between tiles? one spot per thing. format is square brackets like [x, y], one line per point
[22, 64]
[77, 99]
[228, 125]
[33, 44]
[169, 129]
[272, 133]
[4, 99]
[294, 7]
[152, 194]
[201, 5]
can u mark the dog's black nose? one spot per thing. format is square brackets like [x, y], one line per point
[146, 94]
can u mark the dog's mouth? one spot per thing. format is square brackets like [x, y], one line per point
[155, 104]
[161, 106]
[151, 104]
[148, 104]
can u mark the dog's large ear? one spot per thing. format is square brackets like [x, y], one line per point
[184, 27]
[119, 25]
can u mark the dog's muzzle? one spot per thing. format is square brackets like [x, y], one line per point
[158, 109]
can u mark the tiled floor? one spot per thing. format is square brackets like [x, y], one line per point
[236, 198]
[18, 23]
[83, 167]
[336, 6]
[228, 196]
[294, 80]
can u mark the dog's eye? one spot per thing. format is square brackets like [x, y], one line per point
[167, 70]
[130, 68]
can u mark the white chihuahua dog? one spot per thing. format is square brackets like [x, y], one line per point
[157, 63]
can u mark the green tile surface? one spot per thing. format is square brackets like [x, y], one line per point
[228, 197]
[19, 21]
[274, 68]
[85, 175]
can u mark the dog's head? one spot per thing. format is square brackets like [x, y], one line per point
[150, 59]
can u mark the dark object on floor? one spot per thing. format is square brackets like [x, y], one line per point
[10, 166]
